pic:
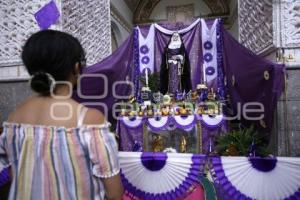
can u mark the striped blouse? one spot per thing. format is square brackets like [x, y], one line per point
[51, 162]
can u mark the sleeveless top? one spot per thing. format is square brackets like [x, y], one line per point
[50, 162]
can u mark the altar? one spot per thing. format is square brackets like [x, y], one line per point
[191, 133]
[173, 91]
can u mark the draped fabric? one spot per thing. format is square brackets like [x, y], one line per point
[100, 80]
[249, 78]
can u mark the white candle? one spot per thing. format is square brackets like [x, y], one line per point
[204, 75]
[146, 75]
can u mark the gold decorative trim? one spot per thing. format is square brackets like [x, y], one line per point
[145, 138]
[199, 135]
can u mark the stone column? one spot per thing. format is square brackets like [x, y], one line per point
[271, 28]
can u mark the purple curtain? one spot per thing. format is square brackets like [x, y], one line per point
[116, 67]
[249, 77]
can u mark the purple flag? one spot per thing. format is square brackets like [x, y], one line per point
[47, 15]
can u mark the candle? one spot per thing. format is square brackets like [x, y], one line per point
[146, 76]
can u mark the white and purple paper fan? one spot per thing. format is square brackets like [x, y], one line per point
[212, 122]
[158, 123]
[257, 178]
[132, 122]
[160, 175]
[185, 122]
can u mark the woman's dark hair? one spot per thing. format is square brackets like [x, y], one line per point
[48, 54]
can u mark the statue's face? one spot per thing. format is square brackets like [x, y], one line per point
[175, 37]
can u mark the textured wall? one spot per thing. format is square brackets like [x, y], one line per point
[286, 36]
[12, 94]
[159, 13]
[288, 117]
[255, 24]
[273, 26]
[121, 22]
[89, 20]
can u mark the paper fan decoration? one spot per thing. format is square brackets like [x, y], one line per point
[158, 123]
[258, 178]
[212, 121]
[132, 122]
[185, 122]
[159, 175]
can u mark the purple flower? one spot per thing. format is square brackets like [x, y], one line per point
[144, 49]
[210, 71]
[208, 57]
[208, 45]
[145, 60]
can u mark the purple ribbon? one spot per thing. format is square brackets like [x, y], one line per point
[220, 82]
[136, 64]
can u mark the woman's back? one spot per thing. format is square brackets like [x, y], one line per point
[56, 147]
[52, 112]
[51, 161]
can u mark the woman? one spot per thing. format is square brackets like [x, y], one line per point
[57, 148]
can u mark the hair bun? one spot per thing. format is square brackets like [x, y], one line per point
[41, 82]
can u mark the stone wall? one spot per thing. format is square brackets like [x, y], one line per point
[12, 94]
[88, 20]
[121, 22]
[271, 29]
[288, 116]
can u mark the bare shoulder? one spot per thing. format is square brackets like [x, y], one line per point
[16, 113]
[93, 117]
[11, 117]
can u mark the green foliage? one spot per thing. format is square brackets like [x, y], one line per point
[153, 81]
[238, 143]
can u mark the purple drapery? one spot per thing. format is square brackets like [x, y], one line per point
[249, 77]
[116, 67]
[129, 137]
